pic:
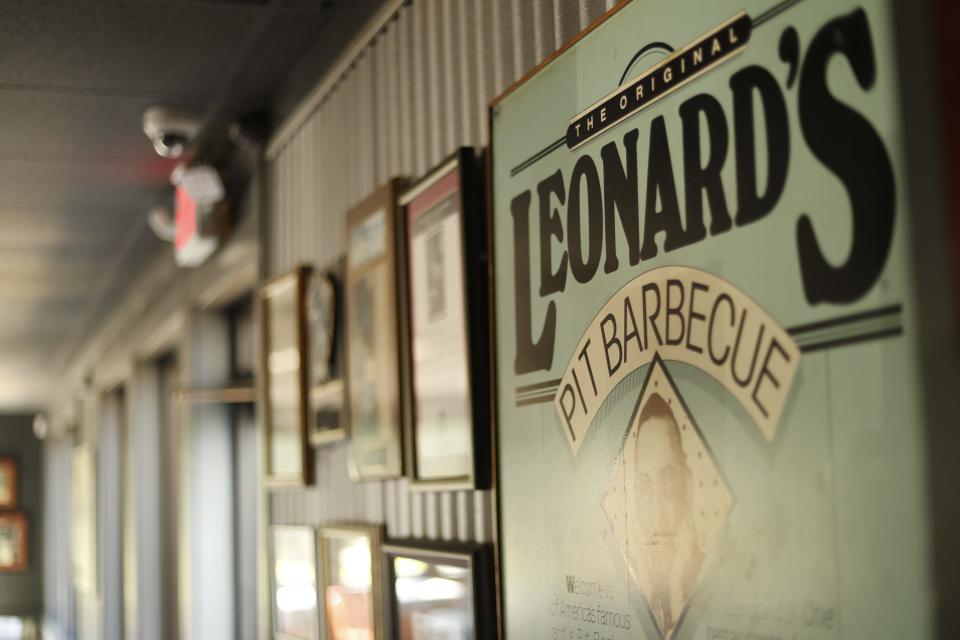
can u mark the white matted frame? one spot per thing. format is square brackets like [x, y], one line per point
[283, 355]
[350, 574]
[294, 577]
[448, 340]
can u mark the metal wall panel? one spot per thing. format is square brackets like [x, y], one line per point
[110, 507]
[416, 93]
[57, 561]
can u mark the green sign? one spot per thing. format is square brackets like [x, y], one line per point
[708, 418]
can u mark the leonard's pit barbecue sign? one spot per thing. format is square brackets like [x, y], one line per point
[706, 425]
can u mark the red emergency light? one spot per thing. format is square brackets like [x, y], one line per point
[198, 208]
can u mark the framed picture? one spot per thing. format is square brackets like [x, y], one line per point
[84, 519]
[352, 586]
[8, 482]
[327, 390]
[445, 256]
[14, 542]
[284, 377]
[296, 612]
[328, 401]
[374, 375]
[440, 592]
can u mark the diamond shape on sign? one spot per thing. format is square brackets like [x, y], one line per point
[666, 500]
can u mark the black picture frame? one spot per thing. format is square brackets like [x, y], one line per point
[446, 209]
[475, 558]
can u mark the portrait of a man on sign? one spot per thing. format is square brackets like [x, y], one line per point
[663, 537]
[666, 501]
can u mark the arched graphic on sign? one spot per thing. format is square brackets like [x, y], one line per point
[646, 49]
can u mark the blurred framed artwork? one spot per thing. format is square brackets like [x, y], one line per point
[284, 371]
[373, 332]
[327, 389]
[296, 612]
[352, 587]
[84, 519]
[444, 231]
[8, 482]
[14, 542]
[440, 592]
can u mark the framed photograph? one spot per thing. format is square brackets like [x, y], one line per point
[444, 233]
[8, 482]
[327, 390]
[14, 542]
[373, 330]
[296, 612]
[284, 372]
[323, 318]
[328, 402]
[440, 591]
[84, 519]
[352, 586]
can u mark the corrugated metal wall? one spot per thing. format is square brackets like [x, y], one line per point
[416, 93]
[57, 561]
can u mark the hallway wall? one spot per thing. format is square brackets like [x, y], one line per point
[131, 351]
[418, 91]
[21, 594]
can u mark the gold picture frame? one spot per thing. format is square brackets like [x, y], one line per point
[14, 542]
[294, 583]
[376, 387]
[8, 482]
[284, 372]
[352, 584]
